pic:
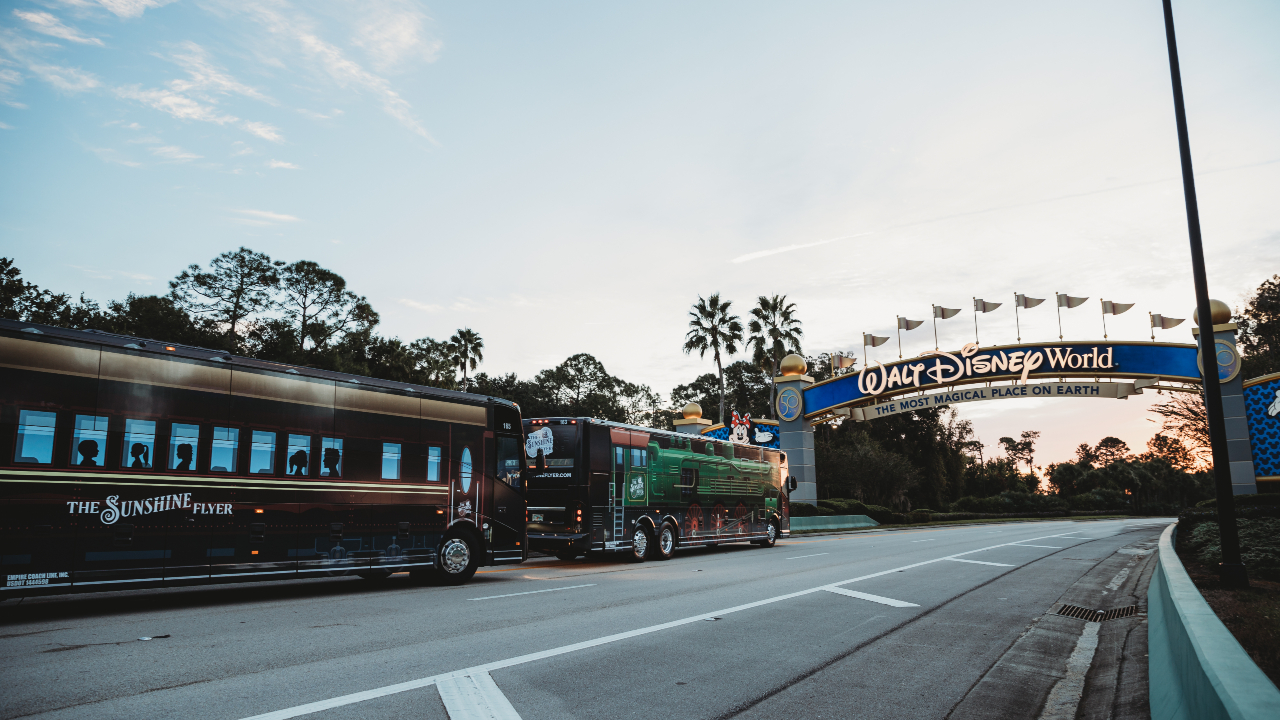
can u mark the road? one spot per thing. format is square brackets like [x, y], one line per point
[913, 623]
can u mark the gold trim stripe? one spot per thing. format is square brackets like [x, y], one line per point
[56, 477]
[1262, 379]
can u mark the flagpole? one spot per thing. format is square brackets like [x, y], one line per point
[1104, 318]
[1231, 571]
[899, 336]
[1151, 321]
[935, 329]
[1058, 302]
[1016, 321]
[976, 341]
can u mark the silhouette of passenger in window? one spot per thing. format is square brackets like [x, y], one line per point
[184, 454]
[332, 460]
[141, 455]
[298, 463]
[88, 451]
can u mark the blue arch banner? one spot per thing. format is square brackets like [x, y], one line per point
[1262, 409]
[973, 364]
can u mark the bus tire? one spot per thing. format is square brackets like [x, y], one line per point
[457, 559]
[664, 546]
[771, 536]
[641, 542]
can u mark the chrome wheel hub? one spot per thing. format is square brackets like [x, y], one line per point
[773, 532]
[640, 543]
[666, 541]
[455, 556]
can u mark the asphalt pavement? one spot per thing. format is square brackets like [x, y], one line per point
[937, 622]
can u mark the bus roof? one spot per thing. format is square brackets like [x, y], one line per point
[170, 349]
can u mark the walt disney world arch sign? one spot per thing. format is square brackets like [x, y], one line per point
[999, 373]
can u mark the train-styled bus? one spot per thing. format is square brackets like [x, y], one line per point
[130, 463]
[597, 486]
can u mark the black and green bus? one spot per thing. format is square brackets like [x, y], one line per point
[606, 487]
[131, 463]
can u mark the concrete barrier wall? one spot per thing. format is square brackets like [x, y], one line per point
[1197, 668]
[832, 522]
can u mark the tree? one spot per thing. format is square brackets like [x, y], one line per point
[468, 349]
[1185, 420]
[433, 363]
[239, 284]
[1169, 449]
[1085, 454]
[1023, 450]
[775, 331]
[712, 327]
[1111, 450]
[1259, 336]
[320, 308]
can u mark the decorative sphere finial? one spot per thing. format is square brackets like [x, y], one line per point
[1221, 313]
[792, 365]
[692, 411]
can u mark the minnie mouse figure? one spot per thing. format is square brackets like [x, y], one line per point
[741, 432]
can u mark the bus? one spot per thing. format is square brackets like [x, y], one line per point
[606, 487]
[130, 463]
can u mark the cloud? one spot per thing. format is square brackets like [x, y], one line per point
[341, 69]
[44, 23]
[173, 152]
[175, 104]
[268, 216]
[243, 150]
[424, 307]
[280, 164]
[131, 8]
[788, 248]
[148, 140]
[64, 78]
[108, 155]
[394, 34]
[206, 77]
[264, 131]
[5, 126]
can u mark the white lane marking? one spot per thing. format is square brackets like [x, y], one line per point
[384, 691]
[532, 592]
[873, 598]
[982, 562]
[1050, 547]
[475, 697]
[805, 556]
[1064, 698]
[929, 540]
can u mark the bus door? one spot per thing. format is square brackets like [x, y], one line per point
[508, 506]
[694, 523]
[41, 521]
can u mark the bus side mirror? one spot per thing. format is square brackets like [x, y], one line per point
[792, 484]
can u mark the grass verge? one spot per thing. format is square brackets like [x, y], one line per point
[944, 523]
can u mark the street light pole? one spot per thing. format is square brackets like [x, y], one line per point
[1231, 571]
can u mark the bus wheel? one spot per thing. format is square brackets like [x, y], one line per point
[641, 539]
[456, 561]
[665, 545]
[771, 536]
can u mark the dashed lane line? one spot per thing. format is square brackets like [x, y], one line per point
[475, 697]
[1047, 547]
[321, 705]
[532, 592]
[805, 556]
[981, 562]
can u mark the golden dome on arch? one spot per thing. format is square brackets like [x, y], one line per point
[692, 411]
[792, 365]
[1221, 313]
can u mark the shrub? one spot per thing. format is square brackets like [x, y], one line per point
[1259, 545]
[799, 509]
[1243, 501]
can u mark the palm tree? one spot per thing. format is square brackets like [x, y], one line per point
[775, 331]
[713, 328]
[468, 349]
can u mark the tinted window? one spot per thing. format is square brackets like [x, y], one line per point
[390, 461]
[331, 457]
[90, 441]
[299, 453]
[139, 443]
[226, 444]
[183, 441]
[35, 437]
[262, 453]
[433, 464]
[509, 461]
[556, 443]
[464, 469]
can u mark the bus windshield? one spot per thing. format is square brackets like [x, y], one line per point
[551, 448]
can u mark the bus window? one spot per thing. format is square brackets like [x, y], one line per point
[331, 457]
[226, 444]
[35, 437]
[299, 450]
[509, 461]
[390, 461]
[183, 441]
[433, 464]
[139, 444]
[262, 453]
[639, 458]
[464, 470]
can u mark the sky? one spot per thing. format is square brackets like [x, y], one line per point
[570, 177]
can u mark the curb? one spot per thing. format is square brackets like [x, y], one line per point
[1197, 669]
